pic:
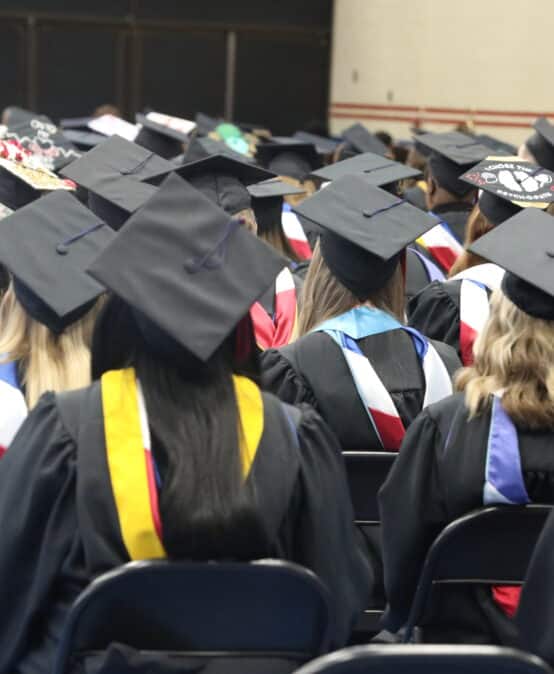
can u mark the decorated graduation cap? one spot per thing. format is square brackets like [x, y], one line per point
[289, 158]
[223, 180]
[541, 143]
[39, 135]
[524, 246]
[267, 202]
[509, 184]
[323, 145]
[376, 169]
[47, 246]
[200, 287]
[359, 139]
[365, 231]
[449, 155]
[163, 134]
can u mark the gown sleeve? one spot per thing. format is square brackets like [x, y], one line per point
[325, 538]
[38, 524]
[281, 378]
[413, 512]
[434, 313]
[535, 615]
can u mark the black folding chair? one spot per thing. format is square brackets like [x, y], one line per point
[232, 617]
[489, 546]
[427, 659]
[366, 472]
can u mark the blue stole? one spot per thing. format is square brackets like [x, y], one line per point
[9, 374]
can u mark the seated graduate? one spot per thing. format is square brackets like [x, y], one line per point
[456, 310]
[539, 148]
[48, 311]
[489, 444]
[355, 362]
[389, 175]
[172, 356]
[448, 197]
[535, 614]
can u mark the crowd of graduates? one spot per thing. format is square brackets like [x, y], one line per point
[197, 318]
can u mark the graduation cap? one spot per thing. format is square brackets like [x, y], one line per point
[541, 143]
[294, 159]
[201, 148]
[365, 231]
[47, 246]
[496, 145]
[112, 125]
[39, 135]
[457, 147]
[361, 140]
[163, 134]
[113, 158]
[200, 287]
[115, 200]
[206, 124]
[259, 130]
[75, 122]
[524, 246]
[509, 184]
[83, 140]
[376, 169]
[323, 145]
[267, 202]
[223, 180]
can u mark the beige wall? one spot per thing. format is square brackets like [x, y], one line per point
[486, 55]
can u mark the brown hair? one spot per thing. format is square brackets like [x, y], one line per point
[477, 226]
[515, 353]
[277, 239]
[324, 296]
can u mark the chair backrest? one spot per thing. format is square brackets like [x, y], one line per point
[268, 606]
[492, 546]
[427, 659]
[366, 472]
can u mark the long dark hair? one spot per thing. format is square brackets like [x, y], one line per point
[207, 509]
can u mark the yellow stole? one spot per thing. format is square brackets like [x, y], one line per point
[127, 459]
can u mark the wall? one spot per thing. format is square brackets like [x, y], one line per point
[439, 62]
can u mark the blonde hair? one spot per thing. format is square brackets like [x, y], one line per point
[276, 238]
[50, 362]
[324, 296]
[515, 353]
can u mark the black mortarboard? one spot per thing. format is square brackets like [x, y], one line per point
[509, 184]
[83, 140]
[458, 147]
[365, 231]
[75, 122]
[206, 124]
[267, 202]
[374, 168]
[202, 148]
[541, 143]
[322, 144]
[200, 287]
[47, 245]
[294, 159]
[223, 180]
[496, 145]
[361, 140]
[113, 158]
[115, 199]
[166, 140]
[39, 135]
[524, 246]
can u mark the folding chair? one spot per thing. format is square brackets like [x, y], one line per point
[265, 616]
[489, 546]
[366, 472]
[427, 659]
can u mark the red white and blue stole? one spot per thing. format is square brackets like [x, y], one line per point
[477, 283]
[13, 408]
[442, 245]
[504, 483]
[133, 474]
[295, 233]
[362, 322]
[277, 331]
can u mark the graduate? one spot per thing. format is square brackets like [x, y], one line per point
[539, 148]
[48, 311]
[455, 311]
[491, 443]
[230, 472]
[355, 362]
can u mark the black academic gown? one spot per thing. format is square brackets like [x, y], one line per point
[417, 274]
[313, 370]
[535, 616]
[455, 215]
[431, 484]
[416, 196]
[60, 527]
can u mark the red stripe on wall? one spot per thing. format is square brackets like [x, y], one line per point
[455, 111]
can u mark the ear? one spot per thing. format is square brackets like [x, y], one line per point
[431, 186]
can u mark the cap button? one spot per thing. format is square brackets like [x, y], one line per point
[62, 249]
[367, 214]
[550, 253]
